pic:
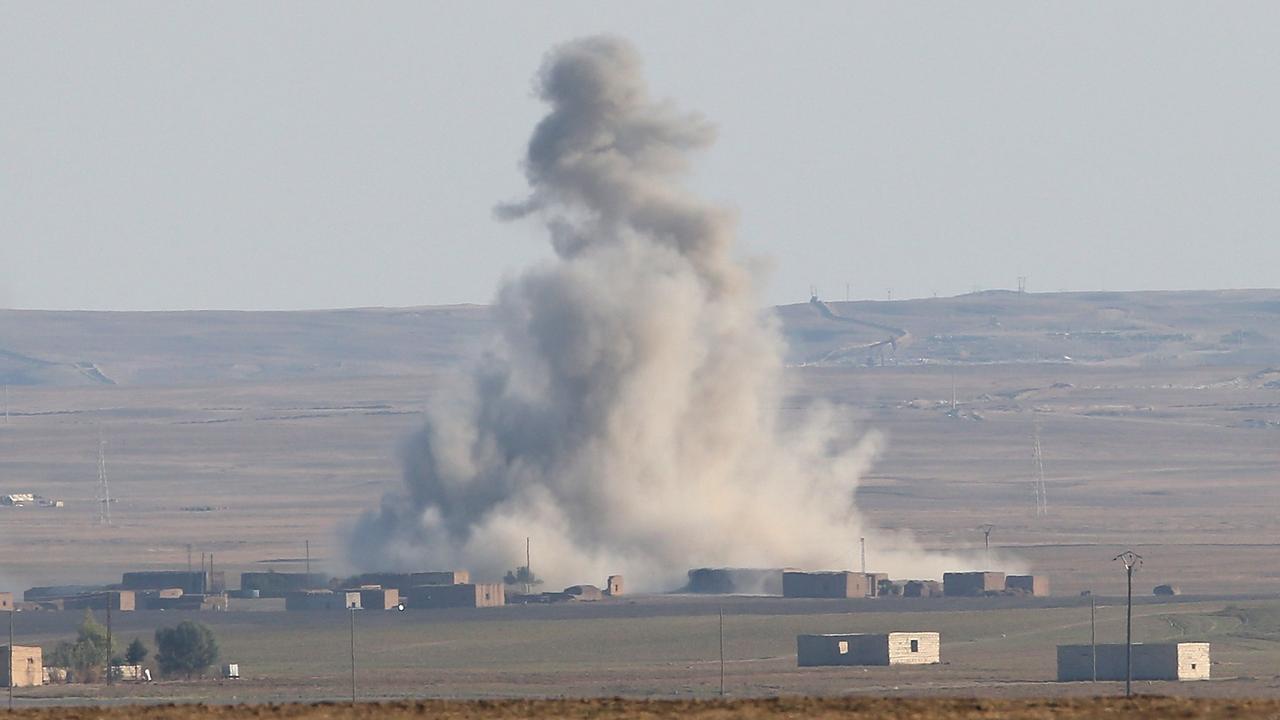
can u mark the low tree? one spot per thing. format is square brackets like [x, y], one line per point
[523, 577]
[187, 650]
[136, 652]
[87, 656]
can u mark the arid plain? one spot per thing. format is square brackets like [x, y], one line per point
[245, 434]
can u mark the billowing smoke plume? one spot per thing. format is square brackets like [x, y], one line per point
[629, 422]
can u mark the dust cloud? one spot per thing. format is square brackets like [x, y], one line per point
[630, 420]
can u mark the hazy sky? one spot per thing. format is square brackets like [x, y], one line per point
[170, 155]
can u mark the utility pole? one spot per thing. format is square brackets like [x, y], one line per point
[528, 569]
[110, 681]
[188, 557]
[862, 543]
[1131, 560]
[722, 651]
[9, 672]
[353, 654]
[308, 550]
[1093, 635]
[986, 538]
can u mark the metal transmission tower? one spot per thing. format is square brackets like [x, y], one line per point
[104, 493]
[1042, 497]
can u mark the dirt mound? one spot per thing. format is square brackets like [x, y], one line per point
[1141, 707]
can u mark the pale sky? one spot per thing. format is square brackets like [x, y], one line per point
[255, 155]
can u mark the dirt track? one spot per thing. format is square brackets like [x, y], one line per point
[1142, 707]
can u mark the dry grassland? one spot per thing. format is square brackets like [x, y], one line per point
[603, 709]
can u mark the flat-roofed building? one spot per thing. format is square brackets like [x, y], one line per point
[322, 600]
[463, 595]
[895, 648]
[194, 582]
[404, 581]
[1033, 585]
[376, 598]
[1151, 661]
[972, 584]
[25, 664]
[741, 581]
[278, 584]
[120, 600]
[840, 584]
[922, 588]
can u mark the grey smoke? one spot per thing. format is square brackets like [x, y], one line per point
[629, 421]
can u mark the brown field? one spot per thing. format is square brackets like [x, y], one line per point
[947, 709]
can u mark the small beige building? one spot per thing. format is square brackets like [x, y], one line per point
[1151, 661]
[613, 586]
[26, 666]
[842, 584]
[895, 648]
[6, 601]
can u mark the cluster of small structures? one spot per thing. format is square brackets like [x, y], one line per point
[305, 591]
[1076, 663]
[147, 590]
[20, 500]
[847, 584]
[206, 590]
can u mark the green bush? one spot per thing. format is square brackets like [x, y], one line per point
[187, 650]
[87, 656]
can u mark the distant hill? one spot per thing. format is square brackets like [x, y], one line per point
[1236, 327]
[167, 348]
[1222, 327]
